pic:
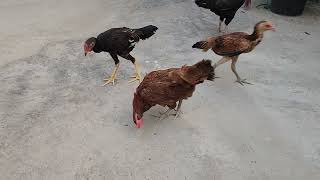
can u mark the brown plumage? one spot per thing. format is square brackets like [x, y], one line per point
[230, 46]
[167, 87]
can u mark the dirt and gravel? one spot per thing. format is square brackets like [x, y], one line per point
[58, 122]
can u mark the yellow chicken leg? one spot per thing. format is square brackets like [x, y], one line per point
[137, 76]
[113, 76]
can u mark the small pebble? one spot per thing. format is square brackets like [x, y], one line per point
[307, 33]
[154, 133]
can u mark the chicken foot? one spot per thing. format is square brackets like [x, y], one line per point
[164, 114]
[167, 113]
[233, 68]
[113, 76]
[137, 76]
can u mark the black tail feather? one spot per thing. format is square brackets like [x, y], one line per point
[199, 45]
[145, 32]
[204, 4]
[207, 68]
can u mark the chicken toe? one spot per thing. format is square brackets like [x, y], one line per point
[113, 76]
[233, 68]
[178, 114]
[110, 80]
[243, 81]
[135, 78]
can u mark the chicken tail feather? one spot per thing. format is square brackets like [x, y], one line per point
[206, 68]
[198, 72]
[144, 33]
[203, 3]
[205, 45]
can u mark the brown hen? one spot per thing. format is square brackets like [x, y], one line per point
[167, 87]
[230, 46]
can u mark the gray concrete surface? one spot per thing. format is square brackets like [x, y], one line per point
[57, 122]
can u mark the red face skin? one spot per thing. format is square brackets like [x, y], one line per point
[138, 121]
[266, 26]
[270, 27]
[87, 48]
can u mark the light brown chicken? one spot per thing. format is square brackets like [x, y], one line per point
[230, 46]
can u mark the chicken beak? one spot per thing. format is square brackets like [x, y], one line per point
[139, 123]
[85, 54]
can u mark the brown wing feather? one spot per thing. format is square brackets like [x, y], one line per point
[164, 87]
[232, 44]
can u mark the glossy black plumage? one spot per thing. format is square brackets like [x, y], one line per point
[226, 9]
[121, 41]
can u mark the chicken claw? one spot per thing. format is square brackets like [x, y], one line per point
[241, 81]
[113, 76]
[109, 80]
[135, 78]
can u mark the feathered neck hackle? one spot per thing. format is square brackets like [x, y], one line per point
[257, 32]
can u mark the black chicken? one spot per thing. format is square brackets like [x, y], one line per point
[119, 42]
[226, 9]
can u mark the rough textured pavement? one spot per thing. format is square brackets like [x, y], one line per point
[57, 122]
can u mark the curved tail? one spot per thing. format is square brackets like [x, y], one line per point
[197, 73]
[206, 68]
[144, 33]
[205, 45]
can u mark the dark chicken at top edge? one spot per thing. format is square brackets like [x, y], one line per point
[225, 9]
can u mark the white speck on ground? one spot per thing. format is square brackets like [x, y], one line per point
[57, 122]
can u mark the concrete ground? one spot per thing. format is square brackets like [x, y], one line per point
[57, 122]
